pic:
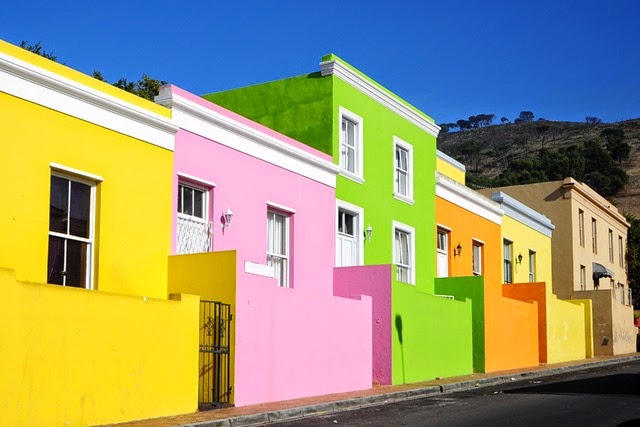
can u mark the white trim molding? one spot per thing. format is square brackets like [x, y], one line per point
[224, 130]
[76, 172]
[411, 231]
[453, 162]
[196, 180]
[43, 87]
[407, 198]
[258, 269]
[358, 121]
[524, 214]
[468, 199]
[344, 72]
[281, 208]
[360, 233]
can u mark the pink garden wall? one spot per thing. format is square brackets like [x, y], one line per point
[290, 342]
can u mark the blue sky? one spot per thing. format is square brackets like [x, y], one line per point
[562, 60]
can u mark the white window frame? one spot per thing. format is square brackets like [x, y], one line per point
[193, 185]
[475, 243]
[507, 243]
[583, 277]
[404, 228]
[403, 145]
[359, 212]
[92, 181]
[357, 175]
[285, 281]
[532, 265]
[205, 187]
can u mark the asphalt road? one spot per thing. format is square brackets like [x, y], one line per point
[605, 396]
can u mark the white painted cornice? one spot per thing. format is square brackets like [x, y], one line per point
[346, 74]
[227, 131]
[468, 199]
[523, 213]
[38, 85]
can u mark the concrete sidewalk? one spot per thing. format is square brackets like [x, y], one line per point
[268, 413]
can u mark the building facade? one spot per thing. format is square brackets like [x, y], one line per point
[588, 256]
[385, 151]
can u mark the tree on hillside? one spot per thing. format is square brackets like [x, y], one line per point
[616, 144]
[601, 171]
[542, 131]
[524, 117]
[632, 258]
[463, 124]
[592, 120]
[146, 87]
[443, 128]
[504, 120]
[38, 50]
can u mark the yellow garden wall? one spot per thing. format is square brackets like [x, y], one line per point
[211, 276]
[75, 357]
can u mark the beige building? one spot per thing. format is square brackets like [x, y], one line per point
[588, 246]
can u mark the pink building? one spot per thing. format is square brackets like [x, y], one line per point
[256, 211]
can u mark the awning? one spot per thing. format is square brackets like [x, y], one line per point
[600, 270]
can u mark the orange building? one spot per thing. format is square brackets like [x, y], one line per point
[469, 243]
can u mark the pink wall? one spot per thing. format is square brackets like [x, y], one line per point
[375, 281]
[293, 342]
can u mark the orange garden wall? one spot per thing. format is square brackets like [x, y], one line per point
[510, 326]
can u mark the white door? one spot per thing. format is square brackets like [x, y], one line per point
[443, 260]
[347, 240]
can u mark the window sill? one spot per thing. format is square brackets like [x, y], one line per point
[351, 176]
[405, 199]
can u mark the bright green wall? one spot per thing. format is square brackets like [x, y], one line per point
[375, 195]
[299, 107]
[431, 336]
[471, 287]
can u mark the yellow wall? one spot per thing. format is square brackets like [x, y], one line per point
[212, 276]
[450, 171]
[133, 222]
[524, 239]
[76, 357]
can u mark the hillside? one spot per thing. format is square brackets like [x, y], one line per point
[487, 152]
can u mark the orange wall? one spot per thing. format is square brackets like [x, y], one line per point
[511, 326]
[533, 292]
[466, 226]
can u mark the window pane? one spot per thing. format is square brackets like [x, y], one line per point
[80, 207]
[346, 223]
[198, 203]
[55, 266]
[76, 267]
[59, 203]
[350, 160]
[180, 190]
[187, 201]
[402, 183]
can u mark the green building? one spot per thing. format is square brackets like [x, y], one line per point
[385, 210]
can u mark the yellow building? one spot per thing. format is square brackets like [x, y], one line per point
[88, 331]
[589, 246]
[564, 328]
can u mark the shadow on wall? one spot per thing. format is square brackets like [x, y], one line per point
[399, 330]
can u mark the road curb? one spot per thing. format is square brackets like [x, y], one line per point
[327, 408]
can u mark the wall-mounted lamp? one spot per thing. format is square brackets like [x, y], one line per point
[227, 217]
[368, 232]
[519, 260]
[457, 250]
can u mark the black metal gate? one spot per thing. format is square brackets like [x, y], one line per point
[214, 388]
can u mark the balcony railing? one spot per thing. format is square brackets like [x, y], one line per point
[193, 236]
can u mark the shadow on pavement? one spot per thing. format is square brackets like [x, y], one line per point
[619, 384]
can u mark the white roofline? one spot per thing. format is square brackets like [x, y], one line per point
[453, 162]
[523, 213]
[27, 81]
[346, 74]
[468, 199]
[227, 131]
